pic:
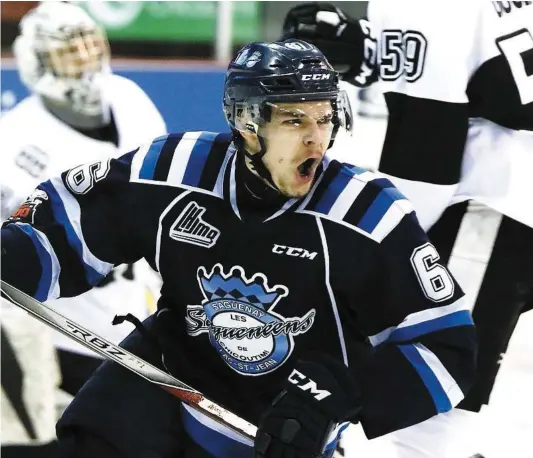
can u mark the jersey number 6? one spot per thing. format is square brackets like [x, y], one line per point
[435, 280]
[82, 178]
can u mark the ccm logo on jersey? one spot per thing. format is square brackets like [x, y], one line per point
[292, 251]
[316, 77]
[306, 384]
[189, 227]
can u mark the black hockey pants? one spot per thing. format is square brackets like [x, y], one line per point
[505, 293]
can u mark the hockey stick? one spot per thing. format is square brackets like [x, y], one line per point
[140, 367]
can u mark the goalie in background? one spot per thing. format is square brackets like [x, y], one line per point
[78, 111]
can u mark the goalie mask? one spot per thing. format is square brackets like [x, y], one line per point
[62, 55]
[283, 104]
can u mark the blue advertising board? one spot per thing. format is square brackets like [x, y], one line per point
[188, 97]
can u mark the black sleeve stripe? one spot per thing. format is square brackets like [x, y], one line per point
[425, 139]
[361, 205]
[503, 106]
[214, 161]
[165, 158]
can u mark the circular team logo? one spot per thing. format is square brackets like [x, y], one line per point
[296, 45]
[253, 59]
[238, 315]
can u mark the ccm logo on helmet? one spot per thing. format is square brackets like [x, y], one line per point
[316, 77]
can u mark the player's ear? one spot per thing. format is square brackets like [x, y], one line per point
[248, 130]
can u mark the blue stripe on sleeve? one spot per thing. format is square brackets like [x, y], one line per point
[459, 318]
[334, 190]
[45, 282]
[60, 215]
[151, 158]
[430, 380]
[378, 208]
[198, 158]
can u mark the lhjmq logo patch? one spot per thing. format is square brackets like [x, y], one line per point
[238, 315]
[189, 227]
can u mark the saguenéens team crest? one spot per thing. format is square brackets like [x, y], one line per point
[238, 314]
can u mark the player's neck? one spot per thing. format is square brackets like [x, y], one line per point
[256, 194]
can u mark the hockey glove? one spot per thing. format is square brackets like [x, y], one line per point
[347, 43]
[320, 393]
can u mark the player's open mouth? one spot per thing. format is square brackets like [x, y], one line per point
[306, 169]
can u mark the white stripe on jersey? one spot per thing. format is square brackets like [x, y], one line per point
[313, 189]
[330, 290]
[181, 157]
[160, 226]
[392, 218]
[420, 317]
[138, 160]
[449, 385]
[54, 290]
[233, 188]
[348, 196]
[338, 221]
[72, 208]
[219, 185]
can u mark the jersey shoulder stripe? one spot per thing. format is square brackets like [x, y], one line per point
[67, 214]
[48, 286]
[188, 158]
[360, 199]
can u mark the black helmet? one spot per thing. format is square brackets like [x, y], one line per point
[284, 71]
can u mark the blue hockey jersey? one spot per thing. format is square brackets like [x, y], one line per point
[346, 271]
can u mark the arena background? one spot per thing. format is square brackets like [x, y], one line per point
[168, 48]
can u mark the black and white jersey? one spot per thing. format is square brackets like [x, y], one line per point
[458, 83]
[347, 270]
[36, 145]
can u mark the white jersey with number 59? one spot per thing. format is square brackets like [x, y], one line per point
[458, 83]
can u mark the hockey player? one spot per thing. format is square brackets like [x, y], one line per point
[458, 84]
[299, 292]
[78, 111]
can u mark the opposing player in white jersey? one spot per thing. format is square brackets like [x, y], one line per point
[458, 85]
[78, 111]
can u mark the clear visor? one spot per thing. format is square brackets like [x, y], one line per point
[82, 52]
[266, 117]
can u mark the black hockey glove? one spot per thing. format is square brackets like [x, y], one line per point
[347, 43]
[320, 393]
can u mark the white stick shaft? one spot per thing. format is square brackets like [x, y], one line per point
[123, 357]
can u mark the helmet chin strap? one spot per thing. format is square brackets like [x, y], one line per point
[257, 158]
[259, 166]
